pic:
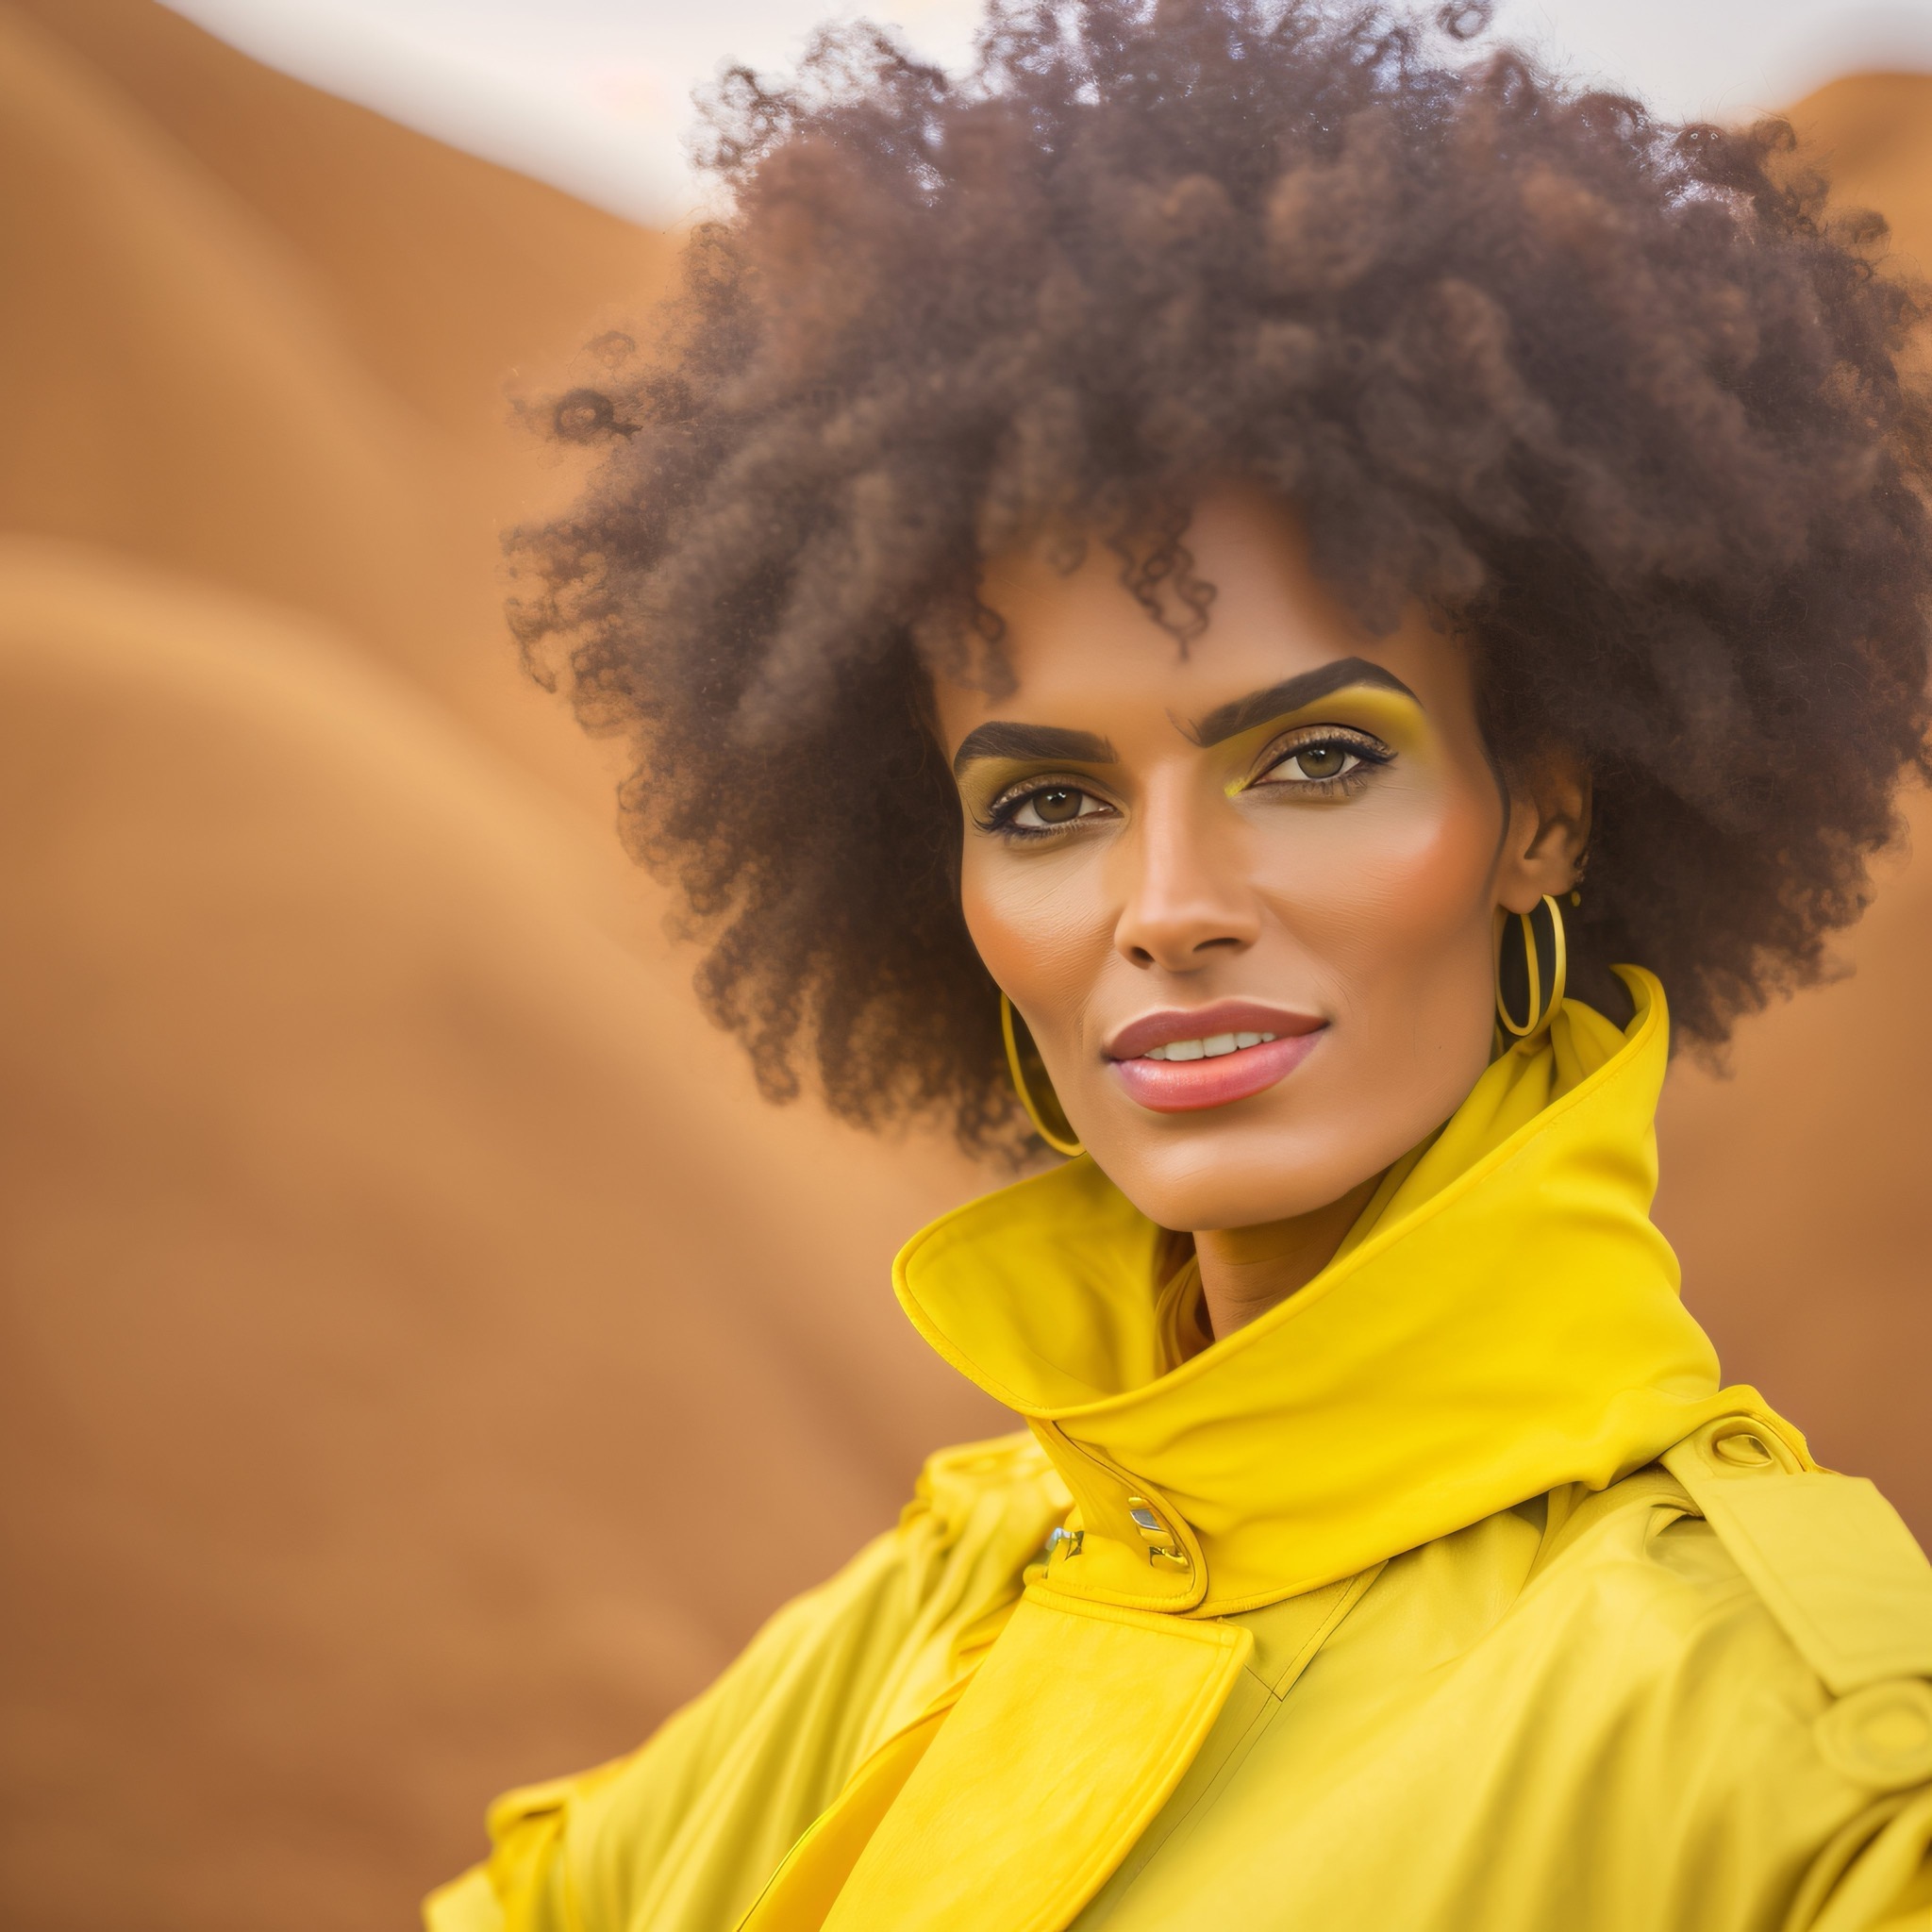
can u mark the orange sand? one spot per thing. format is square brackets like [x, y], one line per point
[401, 1281]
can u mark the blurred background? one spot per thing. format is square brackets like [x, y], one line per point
[424, 1362]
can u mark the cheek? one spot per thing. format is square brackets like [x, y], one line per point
[1033, 923]
[1400, 893]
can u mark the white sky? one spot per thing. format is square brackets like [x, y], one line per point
[594, 95]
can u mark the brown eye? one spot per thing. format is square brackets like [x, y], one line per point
[1057, 805]
[1047, 809]
[1320, 761]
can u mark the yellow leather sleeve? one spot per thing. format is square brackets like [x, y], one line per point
[1843, 1576]
[682, 1835]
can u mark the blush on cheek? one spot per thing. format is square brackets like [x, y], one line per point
[1418, 953]
[1033, 942]
[1441, 888]
[1393, 906]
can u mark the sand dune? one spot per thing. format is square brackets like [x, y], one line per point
[402, 1281]
[426, 1359]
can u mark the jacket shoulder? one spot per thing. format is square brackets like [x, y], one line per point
[1745, 1664]
[1831, 1558]
[683, 1832]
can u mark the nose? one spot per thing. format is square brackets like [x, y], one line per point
[1186, 896]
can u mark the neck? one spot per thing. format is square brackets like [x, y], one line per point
[1247, 1270]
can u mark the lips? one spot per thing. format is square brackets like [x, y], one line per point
[1219, 1076]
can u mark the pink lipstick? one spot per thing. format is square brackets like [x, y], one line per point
[1186, 1059]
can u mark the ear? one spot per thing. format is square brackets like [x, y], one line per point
[1549, 827]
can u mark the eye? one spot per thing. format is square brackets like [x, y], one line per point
[1321, 761]
[1039, 807]
[1052, 805]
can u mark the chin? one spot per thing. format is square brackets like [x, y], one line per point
[1218, 1182]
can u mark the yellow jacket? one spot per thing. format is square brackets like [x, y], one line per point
[1451, 1595]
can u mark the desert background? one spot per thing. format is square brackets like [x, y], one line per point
[424, 1359]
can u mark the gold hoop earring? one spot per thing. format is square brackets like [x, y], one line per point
[1056, 1130]
[1541, 1011]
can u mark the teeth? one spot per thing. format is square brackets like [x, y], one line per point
[1211, 1048]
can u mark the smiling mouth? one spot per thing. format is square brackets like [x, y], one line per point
[1171, 1072]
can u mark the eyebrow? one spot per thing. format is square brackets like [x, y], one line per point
[1002, 740]
[1259, 706]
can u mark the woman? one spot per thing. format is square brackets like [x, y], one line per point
[1258, 586]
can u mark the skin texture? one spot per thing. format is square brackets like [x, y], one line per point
[1155, 873]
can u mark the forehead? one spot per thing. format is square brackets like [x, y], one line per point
[1080, 643]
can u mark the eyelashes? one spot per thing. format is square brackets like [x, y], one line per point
[1042, 808]
[1313, 762]
[1324, 760]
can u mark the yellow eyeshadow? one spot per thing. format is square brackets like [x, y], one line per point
[1386, 714]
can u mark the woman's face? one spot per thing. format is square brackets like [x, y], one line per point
[1244, 897]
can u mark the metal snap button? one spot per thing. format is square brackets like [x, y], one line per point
[1880, 1735]
[1163, 1547]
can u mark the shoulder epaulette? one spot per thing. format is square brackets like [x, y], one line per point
[1832, 1559]
[1014, 1467]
